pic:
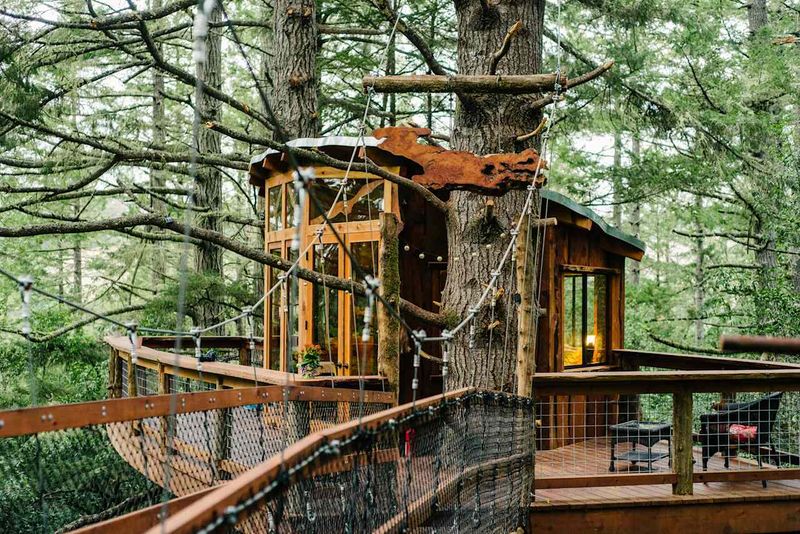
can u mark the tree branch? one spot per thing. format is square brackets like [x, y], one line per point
[412, 35]
[503, 50]
[216, 238]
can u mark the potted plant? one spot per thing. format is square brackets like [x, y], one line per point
[308, 359]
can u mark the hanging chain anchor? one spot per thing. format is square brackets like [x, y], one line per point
[25, 290]
[371, 285]
[418, 336]
[446, 345]
[133, 328]
[303, 177]
[196, 331]
[251, 341]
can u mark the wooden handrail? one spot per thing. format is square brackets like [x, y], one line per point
[780, 345]
[26, 421]
[231, 374]
[210, 342]
[632, 382]
[671, 360]
[206, 509]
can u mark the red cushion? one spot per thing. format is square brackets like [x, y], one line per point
[742, 433]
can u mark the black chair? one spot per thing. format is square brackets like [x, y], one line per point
[715, 435]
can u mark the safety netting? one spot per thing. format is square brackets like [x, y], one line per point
[68, 466]
[462, 462]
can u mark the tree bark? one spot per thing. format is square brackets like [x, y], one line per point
[616, 216]
[157, 175]
[699, 273]
[488, 124]
[636, 213]
[77, 265]
[766, 258]
[757, 15]
[294, 67]
[388, 326]
[208, 257]
[502, 84]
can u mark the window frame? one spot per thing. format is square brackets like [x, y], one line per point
[352, 232]
[583, 272]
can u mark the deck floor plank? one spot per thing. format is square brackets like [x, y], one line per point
[593, 456]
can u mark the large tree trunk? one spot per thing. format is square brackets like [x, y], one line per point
[208, 257]
[766, 258]
[616, 179]
[77, 264]
[699, 274]
[483, 125]
[294, 67]
[636, 212]
[157, 263]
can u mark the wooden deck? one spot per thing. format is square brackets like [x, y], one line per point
[741, 506]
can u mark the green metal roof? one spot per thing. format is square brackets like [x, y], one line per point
[612, 231]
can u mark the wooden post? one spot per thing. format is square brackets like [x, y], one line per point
[526, 352]
[244, 356]
[163, 384]
[114, 375]
[388, 325]
[682, 458]
[223, 422]
[131, 377]
[163, 389]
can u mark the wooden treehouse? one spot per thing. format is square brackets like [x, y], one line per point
[609, 439]
[623, 437]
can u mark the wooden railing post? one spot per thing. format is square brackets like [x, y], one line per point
[682, 444]
[221, 452]
[388, 325]
[114, 375]
[131, 376]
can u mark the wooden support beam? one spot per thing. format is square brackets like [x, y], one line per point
[549, 221]
[683, 458]
[779, 345]
[388, 325]
[517, 84]
[526, 342]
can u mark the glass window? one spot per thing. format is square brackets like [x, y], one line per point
[585, 319]
[274, 327]
[364, 355]
[364, 200]
[274, 210]
[291, 200]
[325, 321]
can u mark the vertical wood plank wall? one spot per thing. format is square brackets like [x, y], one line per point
[566, 420]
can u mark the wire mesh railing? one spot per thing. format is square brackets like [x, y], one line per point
[663, 427]
[207, 374]
[462, 461]
[68, 466]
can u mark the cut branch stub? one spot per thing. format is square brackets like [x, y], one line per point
[496, 84]
[451, 169]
